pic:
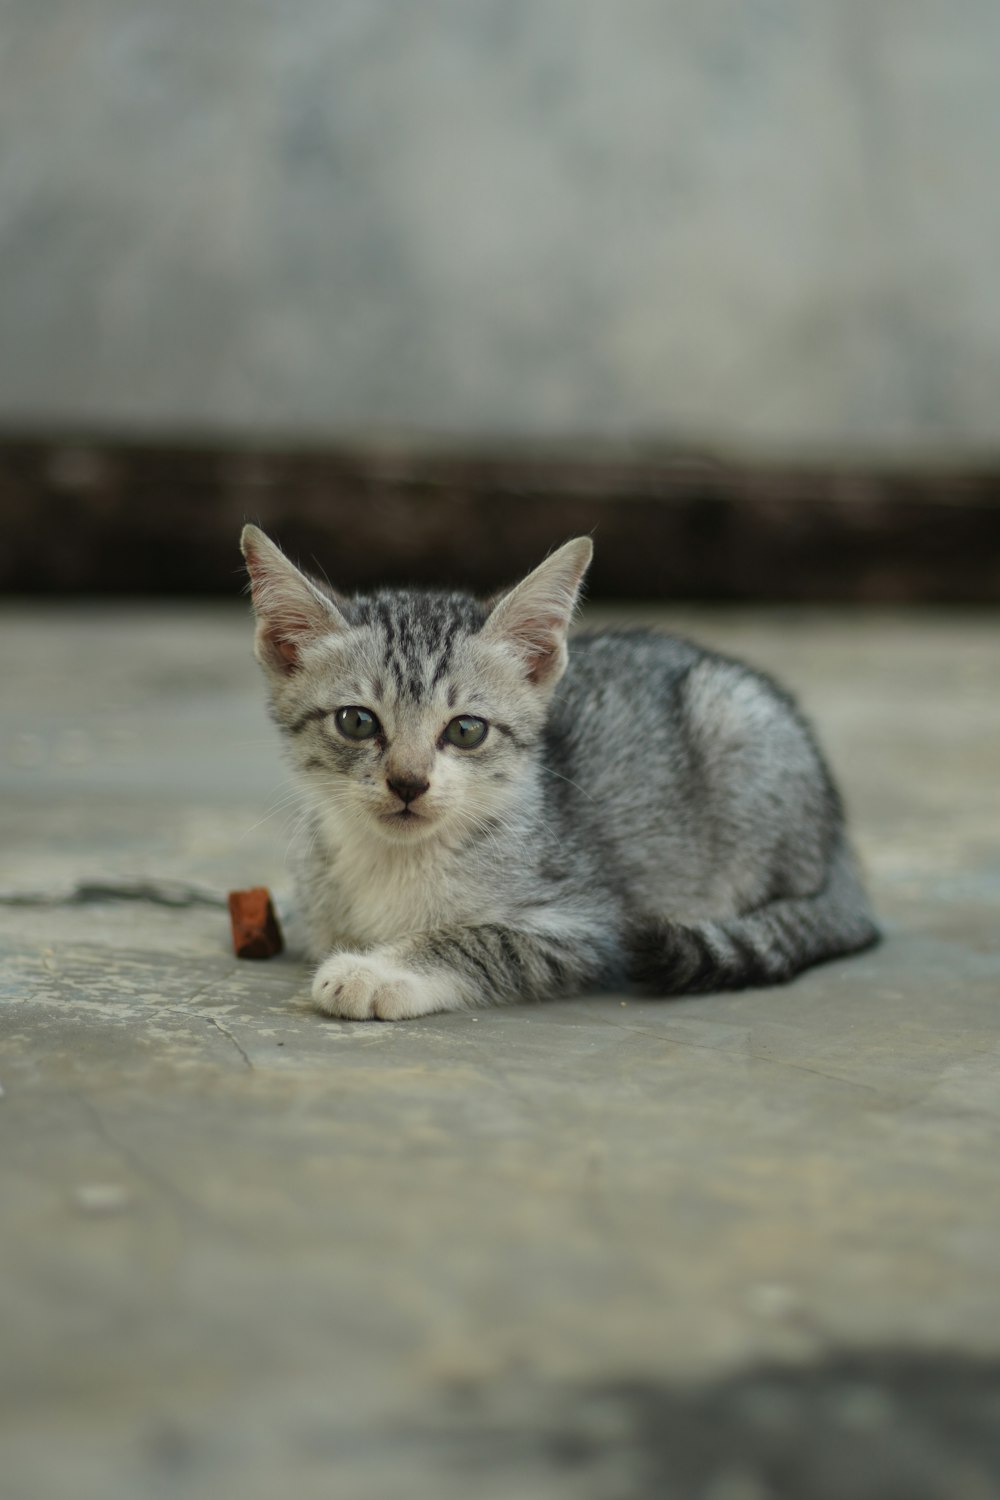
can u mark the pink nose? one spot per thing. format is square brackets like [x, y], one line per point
[406, 790]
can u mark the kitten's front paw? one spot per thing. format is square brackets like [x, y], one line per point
[367, 987]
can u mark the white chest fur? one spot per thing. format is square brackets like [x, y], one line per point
[371, 892]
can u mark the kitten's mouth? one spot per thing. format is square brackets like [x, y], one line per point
[404, 817]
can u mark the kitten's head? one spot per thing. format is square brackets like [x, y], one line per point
[415, 713]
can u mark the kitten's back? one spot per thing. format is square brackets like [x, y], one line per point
[698, 777]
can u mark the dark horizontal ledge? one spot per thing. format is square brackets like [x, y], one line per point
[83, 514]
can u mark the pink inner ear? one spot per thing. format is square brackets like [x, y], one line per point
[282, 650]
[538, 657]
[255, 567]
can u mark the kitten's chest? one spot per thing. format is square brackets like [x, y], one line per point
[378, 894]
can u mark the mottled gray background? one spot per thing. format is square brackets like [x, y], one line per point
[762, 223]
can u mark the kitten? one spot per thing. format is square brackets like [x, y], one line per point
[496, 813]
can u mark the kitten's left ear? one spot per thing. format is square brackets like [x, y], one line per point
[535, 616]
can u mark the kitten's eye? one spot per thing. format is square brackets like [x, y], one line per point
[356, 723]
[466, 732]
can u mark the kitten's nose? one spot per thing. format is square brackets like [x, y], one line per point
[406, 790]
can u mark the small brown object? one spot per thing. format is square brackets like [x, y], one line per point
[256, 933]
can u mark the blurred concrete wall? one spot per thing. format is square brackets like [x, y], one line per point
[770, 222]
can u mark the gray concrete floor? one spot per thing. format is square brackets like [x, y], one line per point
[734, 1247]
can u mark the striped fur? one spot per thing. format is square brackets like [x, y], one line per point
[767, 946]
[639, 807]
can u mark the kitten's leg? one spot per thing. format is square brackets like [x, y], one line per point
[456, 969]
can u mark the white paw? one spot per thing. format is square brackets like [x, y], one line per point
[367, 987]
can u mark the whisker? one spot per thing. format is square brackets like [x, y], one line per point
[570, 782]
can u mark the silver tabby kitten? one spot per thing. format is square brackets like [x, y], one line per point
[495, 813]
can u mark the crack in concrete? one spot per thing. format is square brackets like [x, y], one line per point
[236, 1043]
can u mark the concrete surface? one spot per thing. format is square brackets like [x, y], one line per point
[731, 1248]
[771, 224]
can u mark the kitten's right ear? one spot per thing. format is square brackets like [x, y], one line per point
[291, 611]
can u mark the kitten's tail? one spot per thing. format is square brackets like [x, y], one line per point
[766, 946]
